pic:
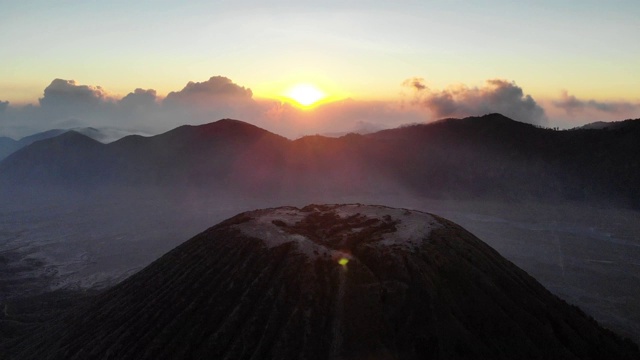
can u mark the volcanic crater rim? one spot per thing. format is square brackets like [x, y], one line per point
[334, 230]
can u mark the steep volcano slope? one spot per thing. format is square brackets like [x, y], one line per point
[328, 282]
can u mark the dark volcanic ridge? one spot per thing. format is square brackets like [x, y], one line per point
[327, 282]
[487, 157]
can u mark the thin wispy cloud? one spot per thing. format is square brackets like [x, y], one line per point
[573, 105]
[568, 111]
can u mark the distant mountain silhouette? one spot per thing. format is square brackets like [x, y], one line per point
[226, 153]
[9, 146]
[104, 134]
[64, 159]
[598, 125]
[325, 282]
[481, 157]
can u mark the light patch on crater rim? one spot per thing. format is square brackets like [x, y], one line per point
[412, 227]
[261, 226]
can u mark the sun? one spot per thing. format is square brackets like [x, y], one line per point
[305, 94]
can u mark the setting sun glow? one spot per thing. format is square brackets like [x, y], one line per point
[305, 94]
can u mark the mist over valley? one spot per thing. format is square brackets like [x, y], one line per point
[78, 214]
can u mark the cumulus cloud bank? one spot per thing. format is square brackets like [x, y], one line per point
[497, 96]
[216, 89]
[62, 93]
[67, 104]
[139, 99]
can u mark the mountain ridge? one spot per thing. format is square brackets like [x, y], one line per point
[489, 156]
[103, 135]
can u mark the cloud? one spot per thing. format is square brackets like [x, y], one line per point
[66, 103]
[63, 93]
[569, 111]
[216, 89]
[417, 83]
[497, 95]
[572, 105]
[139, 99]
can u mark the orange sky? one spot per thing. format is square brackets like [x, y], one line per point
[576, 60]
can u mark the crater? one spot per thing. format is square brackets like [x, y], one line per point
[326, 229]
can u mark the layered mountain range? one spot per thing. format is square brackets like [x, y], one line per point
[103, 135]
[484, 157]
[326, 282]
